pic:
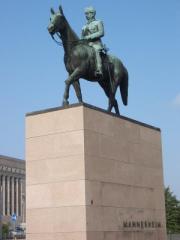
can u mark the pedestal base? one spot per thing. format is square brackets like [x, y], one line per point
[93, 176]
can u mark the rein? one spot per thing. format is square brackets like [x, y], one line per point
[59, 43]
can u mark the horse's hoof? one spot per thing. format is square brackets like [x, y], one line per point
[65, 103]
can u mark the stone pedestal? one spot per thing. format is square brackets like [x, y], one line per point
[93, 176]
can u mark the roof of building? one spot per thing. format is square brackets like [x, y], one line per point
[10, 158]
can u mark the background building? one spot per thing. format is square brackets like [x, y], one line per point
[12, 189]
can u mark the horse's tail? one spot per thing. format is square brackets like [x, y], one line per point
[124, 87]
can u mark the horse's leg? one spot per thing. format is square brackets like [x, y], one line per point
[116, 84]
[112, 101]
[107, 91]
[116, 107]
[111, 96]
[110, 105]
[74, 76]
[77, 89]
[110, 93]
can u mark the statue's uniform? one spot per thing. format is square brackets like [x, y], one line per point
[93, 31]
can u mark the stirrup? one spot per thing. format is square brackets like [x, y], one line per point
[98, 73]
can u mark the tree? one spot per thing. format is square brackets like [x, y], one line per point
[172, 212]
[5, 230]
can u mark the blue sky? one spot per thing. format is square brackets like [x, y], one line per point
[145, 34]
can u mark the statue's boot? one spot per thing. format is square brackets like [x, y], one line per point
[98, 72]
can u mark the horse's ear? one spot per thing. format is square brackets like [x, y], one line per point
[61, 10]
[52, 11]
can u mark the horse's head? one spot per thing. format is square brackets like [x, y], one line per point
[57, 21]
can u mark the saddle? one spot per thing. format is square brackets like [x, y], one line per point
[105, 57]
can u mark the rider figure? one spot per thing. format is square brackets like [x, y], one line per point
[93, 31]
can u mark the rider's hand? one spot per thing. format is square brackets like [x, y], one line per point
[87, 37]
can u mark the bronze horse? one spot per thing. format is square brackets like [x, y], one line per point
[79, 59]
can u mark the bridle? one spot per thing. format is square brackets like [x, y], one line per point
[57, 42]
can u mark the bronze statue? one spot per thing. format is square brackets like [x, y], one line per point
[94, 31]
[81, 59]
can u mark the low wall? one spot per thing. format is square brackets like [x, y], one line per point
[173, 236]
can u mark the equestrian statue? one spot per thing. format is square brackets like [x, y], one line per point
[87, 58]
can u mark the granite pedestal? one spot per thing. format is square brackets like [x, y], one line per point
[93, 176]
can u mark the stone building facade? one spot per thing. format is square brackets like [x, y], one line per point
[12, 189]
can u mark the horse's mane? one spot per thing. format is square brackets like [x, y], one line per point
[74, 40]
[72, 35]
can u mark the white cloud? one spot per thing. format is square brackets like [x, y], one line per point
[176, 100]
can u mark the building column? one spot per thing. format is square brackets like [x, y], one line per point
[12, 195]
[3, 193]
[23, 203]
[8, 195]
[17, 197]
[21, 196]
[1, 206]
[1, 196]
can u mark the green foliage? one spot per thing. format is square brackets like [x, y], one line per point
[5, 230]
[172, 212]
